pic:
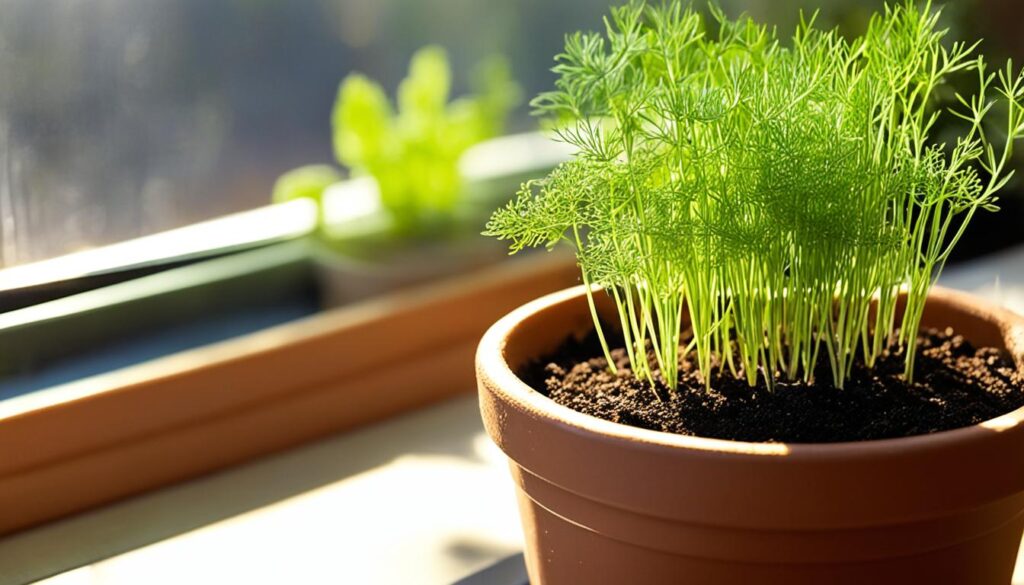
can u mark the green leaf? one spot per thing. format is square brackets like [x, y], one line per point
[414, 152]
[362, 124]
[305, 182]
[422, 95]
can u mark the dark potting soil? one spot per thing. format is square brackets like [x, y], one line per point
[955, 385]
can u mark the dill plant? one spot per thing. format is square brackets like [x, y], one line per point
[781, 195]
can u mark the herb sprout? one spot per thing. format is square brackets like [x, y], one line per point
[781, 194]
[413, 150]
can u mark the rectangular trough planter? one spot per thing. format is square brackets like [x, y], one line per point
[95, 440]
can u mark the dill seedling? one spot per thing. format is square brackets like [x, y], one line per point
[772, 192]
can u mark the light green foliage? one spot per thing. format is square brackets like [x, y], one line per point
[772, 190]
[413, 152]
[308, 182]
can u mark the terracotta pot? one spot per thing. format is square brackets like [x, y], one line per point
[609, 504]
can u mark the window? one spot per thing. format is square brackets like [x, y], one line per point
[121, 118]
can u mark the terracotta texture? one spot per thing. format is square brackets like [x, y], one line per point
[608, 504]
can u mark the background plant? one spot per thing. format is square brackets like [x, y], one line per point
[411, 149]
[773, 191]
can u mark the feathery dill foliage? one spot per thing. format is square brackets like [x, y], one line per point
[771, 190]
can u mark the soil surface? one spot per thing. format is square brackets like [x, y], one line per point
[955, 385]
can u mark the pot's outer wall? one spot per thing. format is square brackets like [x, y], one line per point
[604, 503]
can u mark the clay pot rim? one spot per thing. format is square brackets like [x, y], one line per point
[491, 364]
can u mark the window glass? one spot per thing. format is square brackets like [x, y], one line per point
[120, 118]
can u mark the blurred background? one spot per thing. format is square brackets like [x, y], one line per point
[121, 118]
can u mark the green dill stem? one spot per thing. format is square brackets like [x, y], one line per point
[593, 307]
[784, 195]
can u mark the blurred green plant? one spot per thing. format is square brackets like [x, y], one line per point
[308, 182]
[412, 148]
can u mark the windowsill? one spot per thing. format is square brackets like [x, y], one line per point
[424, 498]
